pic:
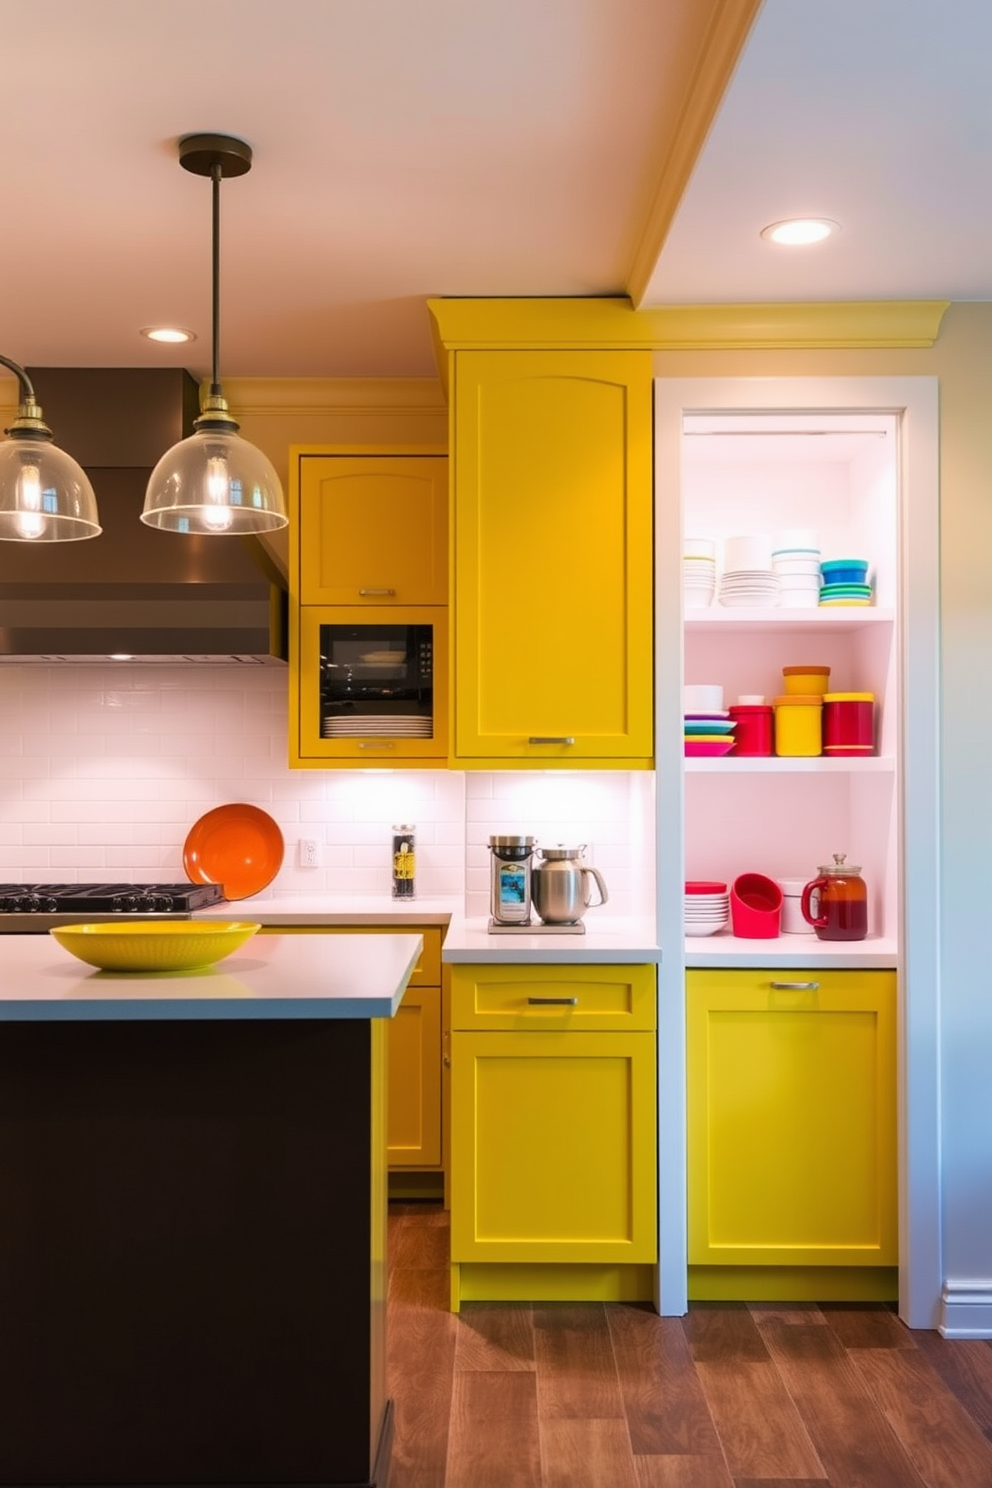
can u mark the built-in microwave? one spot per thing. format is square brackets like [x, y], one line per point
[373, 683]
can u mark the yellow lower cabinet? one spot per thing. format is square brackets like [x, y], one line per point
[791, 1086]
[553, 1145]
[414, 1122]
[416, 1075]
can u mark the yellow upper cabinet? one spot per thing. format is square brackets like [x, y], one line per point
[552, 602]
[373, 529]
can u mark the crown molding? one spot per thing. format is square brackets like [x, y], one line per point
[282, 397]
[563, 324]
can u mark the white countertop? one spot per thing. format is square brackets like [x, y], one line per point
[604, 939]
[274, 977]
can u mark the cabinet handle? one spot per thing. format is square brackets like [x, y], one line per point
[552, 739]
[376, 744]
[377, 591]
[553, 1001]
[796, 986]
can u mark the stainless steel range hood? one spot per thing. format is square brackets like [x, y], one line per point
[154, 596]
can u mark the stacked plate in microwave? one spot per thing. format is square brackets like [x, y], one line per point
[377, 726]
[748, 577]
[698, 571]
[707, 907]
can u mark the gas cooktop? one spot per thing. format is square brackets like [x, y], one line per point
[39, 906]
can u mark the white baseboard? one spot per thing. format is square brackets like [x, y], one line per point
[966, 1309]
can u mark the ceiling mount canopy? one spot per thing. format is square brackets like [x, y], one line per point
[215, 482]
[44, 495]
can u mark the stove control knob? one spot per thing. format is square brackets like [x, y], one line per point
[126, 903]
[49, 904]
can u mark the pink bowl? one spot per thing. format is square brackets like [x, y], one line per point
[708, 747]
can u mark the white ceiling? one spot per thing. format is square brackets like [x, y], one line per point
[409, 148]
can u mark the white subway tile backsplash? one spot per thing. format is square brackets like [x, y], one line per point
[106, 770]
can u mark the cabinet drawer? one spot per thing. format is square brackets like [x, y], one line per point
[553, 997]
[426, 973]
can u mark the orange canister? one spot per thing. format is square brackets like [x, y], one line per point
[798, 724]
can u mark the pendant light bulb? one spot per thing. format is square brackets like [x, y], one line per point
[44, 495]
[215, 482]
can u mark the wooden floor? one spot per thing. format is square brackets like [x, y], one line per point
[729, 1396]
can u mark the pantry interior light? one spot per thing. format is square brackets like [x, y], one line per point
[797, 232]
[171, 335]
[45, 496]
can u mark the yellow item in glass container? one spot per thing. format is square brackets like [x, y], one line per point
[798, 724]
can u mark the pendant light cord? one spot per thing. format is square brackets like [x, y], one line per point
[216, 175]
[27, 391]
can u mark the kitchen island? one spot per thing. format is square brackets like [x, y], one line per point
[192, 1245]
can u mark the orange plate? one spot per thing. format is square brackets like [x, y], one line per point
[238, 846]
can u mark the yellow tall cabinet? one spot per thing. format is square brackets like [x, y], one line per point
[552, 522]
[552, 569]
[791, 1095]
[553, 1121]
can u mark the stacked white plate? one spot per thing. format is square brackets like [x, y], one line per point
[796, 561]
[707, 908]
[698, 571]
[377, 726]
[748, 577]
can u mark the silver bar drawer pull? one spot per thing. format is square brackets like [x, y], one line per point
[553, 1001]
[552, 739]
[796, 986]
[377, 591]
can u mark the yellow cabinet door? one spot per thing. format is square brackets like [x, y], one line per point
[373, 529]
[553, 1147]
[553, 559]
[414, 1080]
[792, 1118]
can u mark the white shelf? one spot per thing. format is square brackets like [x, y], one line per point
[839, 618]
[763, 764]
[804, 952]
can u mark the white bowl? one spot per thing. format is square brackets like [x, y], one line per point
[702, 697]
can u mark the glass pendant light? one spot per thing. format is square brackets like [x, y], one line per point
[214, 482]
[44, 495]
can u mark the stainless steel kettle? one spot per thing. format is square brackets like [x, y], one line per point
[561, 886]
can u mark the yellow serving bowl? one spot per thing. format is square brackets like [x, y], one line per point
[169, 945]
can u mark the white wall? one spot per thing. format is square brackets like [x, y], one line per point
[103, 770]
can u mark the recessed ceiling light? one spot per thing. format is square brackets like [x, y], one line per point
[171, 334]
[798, 231]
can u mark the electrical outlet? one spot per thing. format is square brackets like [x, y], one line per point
[309, 852]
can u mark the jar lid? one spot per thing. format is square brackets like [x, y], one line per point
[797, 671]
[848, 697]
[557, 854]
[799, 699]
[839, 868]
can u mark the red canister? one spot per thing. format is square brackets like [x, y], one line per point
[849, 723]
[753, 728]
